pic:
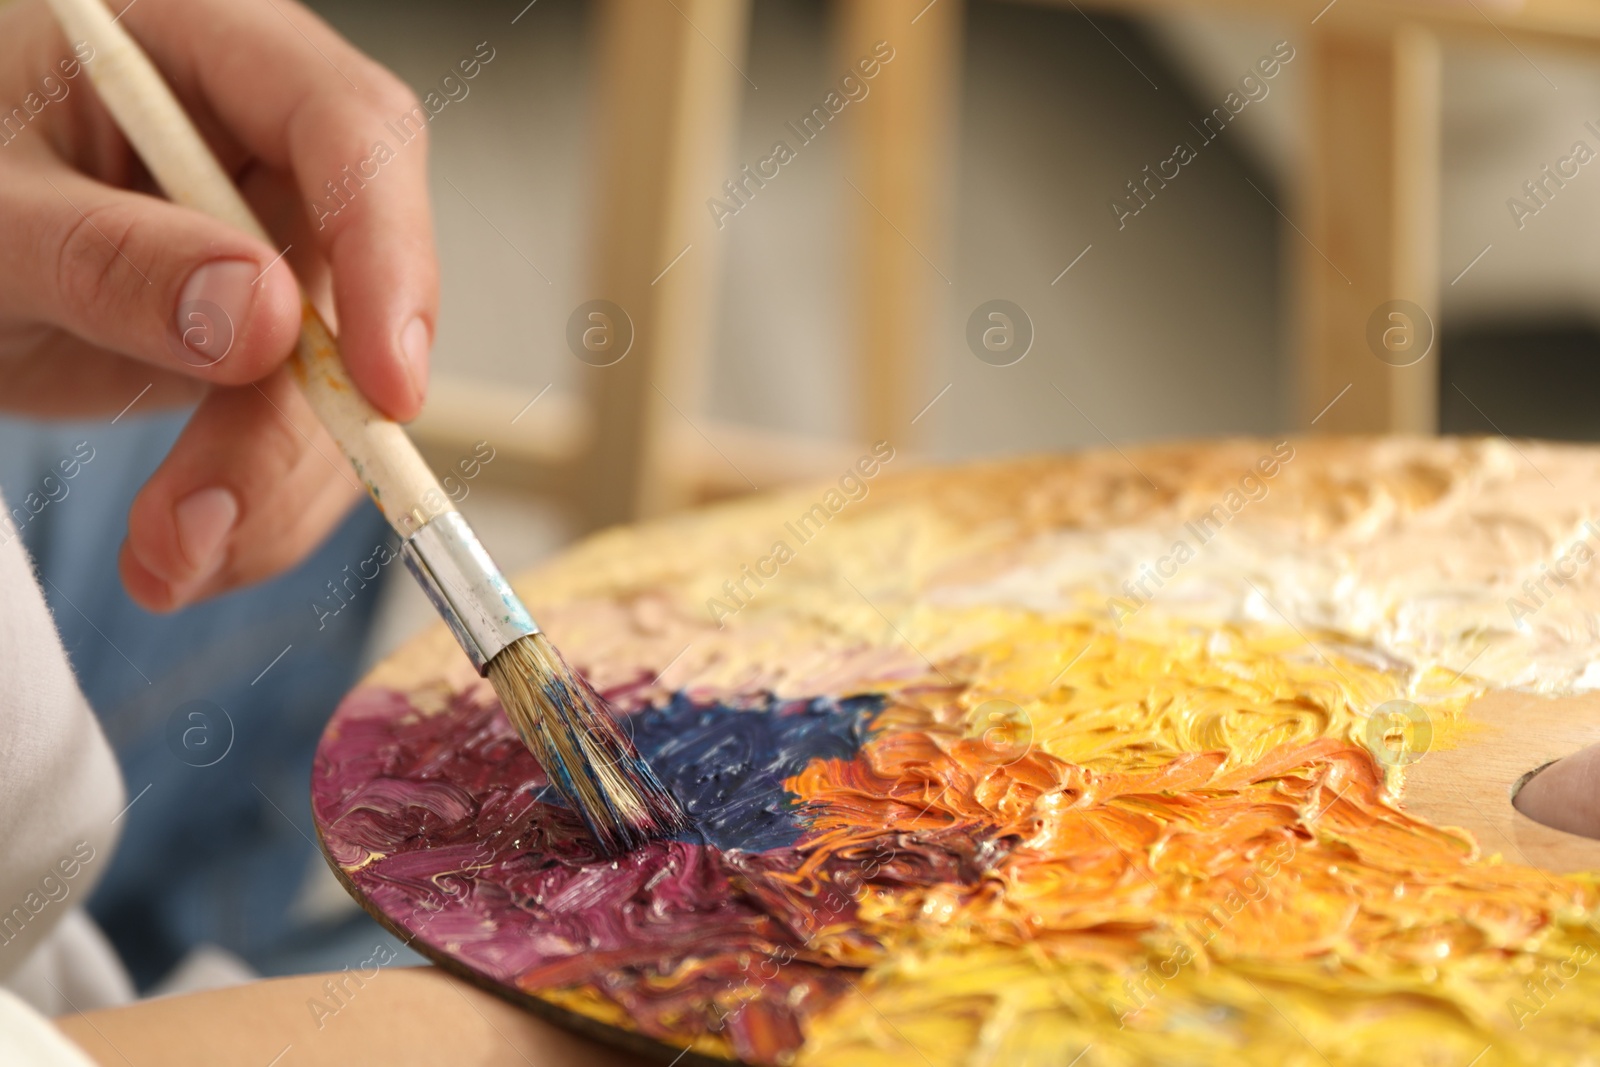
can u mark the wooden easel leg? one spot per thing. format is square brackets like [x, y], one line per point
[1369, 257]
[897, 213]
[669, 88]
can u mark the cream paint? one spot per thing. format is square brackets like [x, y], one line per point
[1432, 588]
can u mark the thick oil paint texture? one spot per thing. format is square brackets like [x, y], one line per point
[1179, 849]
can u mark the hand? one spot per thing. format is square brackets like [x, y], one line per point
[106, 289]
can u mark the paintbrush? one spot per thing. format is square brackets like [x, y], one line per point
[564, 722]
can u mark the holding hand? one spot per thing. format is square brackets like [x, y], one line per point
[108, 292]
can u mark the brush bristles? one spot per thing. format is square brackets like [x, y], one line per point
[570, 731]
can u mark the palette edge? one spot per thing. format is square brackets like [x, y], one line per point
[628, 1040]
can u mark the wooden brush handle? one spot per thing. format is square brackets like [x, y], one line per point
[395, 475]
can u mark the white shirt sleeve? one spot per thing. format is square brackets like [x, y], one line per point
[60, 792]
[28, 1039]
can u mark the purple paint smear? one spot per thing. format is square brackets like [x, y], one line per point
[440, 824]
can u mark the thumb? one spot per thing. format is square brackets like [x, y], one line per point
[144, 277]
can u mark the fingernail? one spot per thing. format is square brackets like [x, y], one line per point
[213, 307]
[415, 343]
[204, 520]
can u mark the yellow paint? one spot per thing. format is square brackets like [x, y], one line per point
[1209, 868]
[582, 1000]
[1210, 750]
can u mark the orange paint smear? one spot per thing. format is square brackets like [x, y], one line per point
[1283, 909]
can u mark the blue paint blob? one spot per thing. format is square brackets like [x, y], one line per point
[727, 765]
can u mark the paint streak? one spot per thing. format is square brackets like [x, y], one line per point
[1120, 875]
[727, 768]
[1178, 850]
[446, 824]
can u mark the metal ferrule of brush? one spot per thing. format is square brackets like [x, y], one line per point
[467, 588]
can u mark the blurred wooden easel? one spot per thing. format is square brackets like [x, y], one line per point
[635, 442]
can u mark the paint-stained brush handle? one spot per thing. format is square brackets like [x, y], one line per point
[148, 113]
[440, 549]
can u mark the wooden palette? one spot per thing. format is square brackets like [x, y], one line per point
[1472, 785]
[1087, 756]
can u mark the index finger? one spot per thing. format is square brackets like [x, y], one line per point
[298, 97]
